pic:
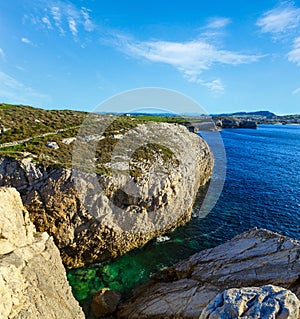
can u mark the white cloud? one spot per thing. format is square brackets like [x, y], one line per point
[13, 91]
[294, 54]
[280, 20]
[47, 22]
[283, 23]
[72, 26]
[63, 17]
[2, 55]
[25, 40]
[87, 22]
[56, 15]
[217, 23]
[216, 86]
[190, 58]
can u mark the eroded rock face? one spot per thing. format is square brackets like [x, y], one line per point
[231, 122]
[33, 281]
[253, 302]
[252, 259]
[96, 217]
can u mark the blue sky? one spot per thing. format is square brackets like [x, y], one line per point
[226, 55]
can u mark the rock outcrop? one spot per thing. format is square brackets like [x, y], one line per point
[231, 122]
[33, 282]
[253, 302]
[96, 217]
[105, 302]
[252, 259]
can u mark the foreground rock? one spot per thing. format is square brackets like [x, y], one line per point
[254, 302]
[96, 217]
[252, 259]
[33, 281]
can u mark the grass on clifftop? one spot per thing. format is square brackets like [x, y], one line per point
[20, 122]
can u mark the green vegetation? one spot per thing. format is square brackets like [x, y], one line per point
[38, 127]
[20, 122]
[148, 155]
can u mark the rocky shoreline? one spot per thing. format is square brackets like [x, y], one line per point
[96, 217]
[254, 275]
[200, 285]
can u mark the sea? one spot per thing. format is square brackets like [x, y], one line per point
[261, 189]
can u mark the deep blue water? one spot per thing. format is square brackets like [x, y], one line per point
[262, 188]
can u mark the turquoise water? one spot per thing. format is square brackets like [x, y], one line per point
[262, 188]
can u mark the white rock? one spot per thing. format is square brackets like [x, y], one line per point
[52, 145]
[252, 303]
[68, 140]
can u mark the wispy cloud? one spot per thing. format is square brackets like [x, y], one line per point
[283, 23]
[297, 91]
[280, 20]
[56, 15]
[73, 26]
[25, 40]
[294, 54]
[63, 17]
[13, 91]
[87, 22]
[217, 23]
[47, 23]
[2, 55]
[216, 86]
[191, 58]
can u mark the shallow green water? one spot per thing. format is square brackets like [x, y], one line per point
[261, 189]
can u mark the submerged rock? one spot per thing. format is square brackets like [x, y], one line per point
[33, 282]
[253, 302]
[97, 217]
[252, 259]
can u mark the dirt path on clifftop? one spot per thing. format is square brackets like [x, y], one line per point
[19, 142]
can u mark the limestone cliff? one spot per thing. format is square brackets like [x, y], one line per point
[195, 286]
[96, 216]
[33, 281]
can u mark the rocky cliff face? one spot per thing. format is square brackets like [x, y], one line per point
[231, 122]
[252, 259]
[33, 281]
[96, 217]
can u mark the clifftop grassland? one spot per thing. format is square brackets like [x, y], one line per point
[48, 136]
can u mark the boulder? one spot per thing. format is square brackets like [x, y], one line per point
[253, 302]
[33, 282]
[53, 145]
[96, 217]
[255, 258]
[105, 302]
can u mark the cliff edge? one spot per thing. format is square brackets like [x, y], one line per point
[33, 282]
[97, 216]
